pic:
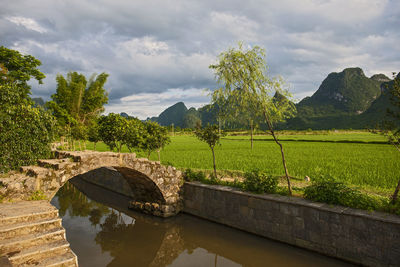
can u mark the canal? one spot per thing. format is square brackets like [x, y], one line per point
[103, 232]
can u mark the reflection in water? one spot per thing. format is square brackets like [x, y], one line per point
[103, 232]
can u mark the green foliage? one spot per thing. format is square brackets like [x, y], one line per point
[190, 175]
[392, 207]
[209, 134]
[330, 191]
[260, 182]
[112, 130]
[134, 135]
[353, 158]
[93, 132]
[37, 195]
[243, 77]
[192, 119]
[25, 131]
[155, 137]
[19, 69]
[394, 128]
[77, 102]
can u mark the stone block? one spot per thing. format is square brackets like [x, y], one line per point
[244, 210]
[155, 206]
[147, 206]
[298, 223]
[288, 209]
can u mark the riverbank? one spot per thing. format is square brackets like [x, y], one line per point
[361, 237]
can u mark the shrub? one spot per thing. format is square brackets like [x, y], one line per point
[392, 208]
[330, 191]
[191, 175]
[37, 195]
[26, 132]
[259, 182]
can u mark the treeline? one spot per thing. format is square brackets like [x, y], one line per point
[72, 115]
[116, 131]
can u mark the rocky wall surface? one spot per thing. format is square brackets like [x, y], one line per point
[362, 237]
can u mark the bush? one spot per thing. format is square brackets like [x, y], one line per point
[259, 182]
[190, 175]
[392, 208]
[330, 191]
[26, 132]
[37, 195]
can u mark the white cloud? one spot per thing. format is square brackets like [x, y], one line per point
[28, 23]
[145, 105]
[146, 46]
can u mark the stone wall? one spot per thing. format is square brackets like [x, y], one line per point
[362, 237]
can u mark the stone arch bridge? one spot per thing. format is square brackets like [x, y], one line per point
[153, 188]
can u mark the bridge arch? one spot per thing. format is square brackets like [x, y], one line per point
[153, 187]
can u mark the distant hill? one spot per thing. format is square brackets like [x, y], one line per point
[377, 112]
[175, 114]
[344, 100]
[349, 91]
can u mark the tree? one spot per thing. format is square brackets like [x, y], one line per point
[155, 138]
[93, 133]
[19, 69]
[77, 102]
[243, 113]
[191, 119]
[210, 134]
[134, 135]
[112, 129]
[247, 70]
[392, 128]
[26, 132]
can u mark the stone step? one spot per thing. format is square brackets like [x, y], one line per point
[37, 254]
[13, 245]
[55, 164]
[68, 259]
[26, 211]
[79, 156]
[34, 171]
[25, 228]
[75, 156]
[62, 154]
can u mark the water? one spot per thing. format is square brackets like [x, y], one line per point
[102, 232]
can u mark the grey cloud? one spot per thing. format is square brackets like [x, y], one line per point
[151, 47]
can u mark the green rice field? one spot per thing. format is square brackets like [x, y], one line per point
[360, 159]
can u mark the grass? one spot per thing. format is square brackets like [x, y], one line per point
[373, 167]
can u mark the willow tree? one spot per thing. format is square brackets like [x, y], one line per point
[242, 75]
[243, 113]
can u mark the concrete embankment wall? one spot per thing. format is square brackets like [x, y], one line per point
[363, 237]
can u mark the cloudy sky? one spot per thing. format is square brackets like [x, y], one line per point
[157, 52]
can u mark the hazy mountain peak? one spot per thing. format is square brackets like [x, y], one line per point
[349, 91]
[380, 77]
